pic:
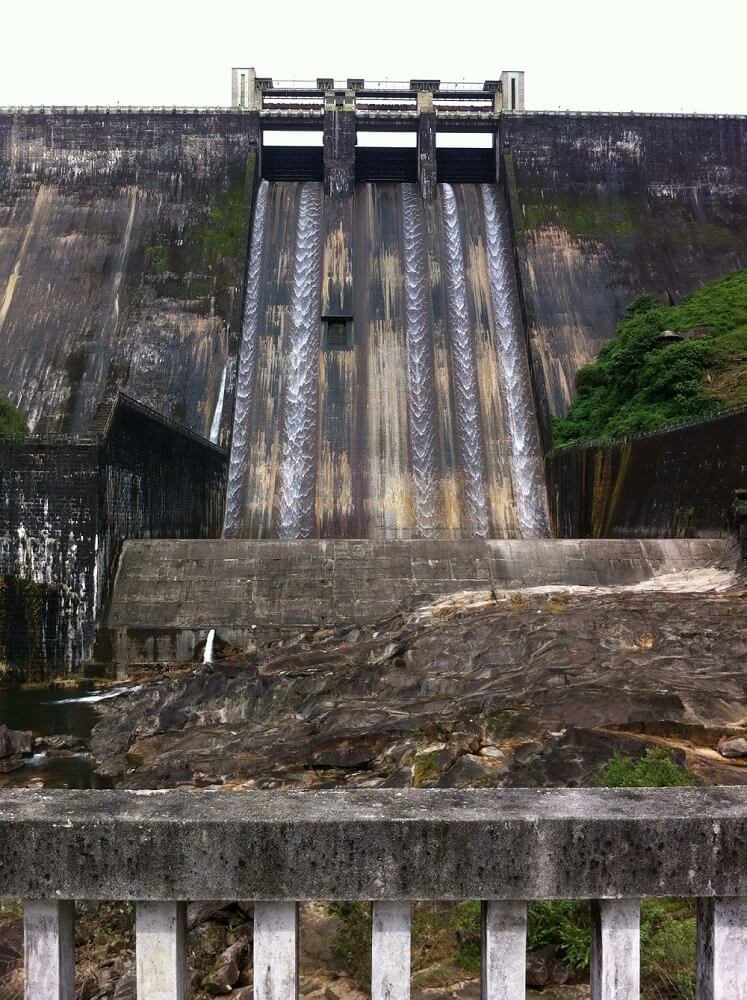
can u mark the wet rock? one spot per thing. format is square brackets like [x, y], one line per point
[15, 743]
[545, 968]
[492, 753]
[57, 744]
[126, 988]
[227, 971]
[734, 747]
[471, 771]
[344, 755]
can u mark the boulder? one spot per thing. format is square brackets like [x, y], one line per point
[227, 971]
[15, 742]
[735, 746]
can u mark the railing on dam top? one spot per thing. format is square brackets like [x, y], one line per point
[389, 847]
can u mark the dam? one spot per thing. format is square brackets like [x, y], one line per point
[309, 320]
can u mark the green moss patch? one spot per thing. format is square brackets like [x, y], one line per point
[12, 421]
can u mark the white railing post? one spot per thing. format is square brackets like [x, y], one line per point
[722, 949]
[161, 951]
[616, 949]
[275, 951]
[49, 947]
[504, 950]
[390, 951]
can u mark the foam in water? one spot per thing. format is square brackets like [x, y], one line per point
[465, 368]
[297, 478]
[247, 367]
[420, 376]
[530, 494]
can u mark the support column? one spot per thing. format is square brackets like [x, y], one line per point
[427, 156]
[161, 950]
[49, 947]
[275, 951]
[504, 950]
[390, 954]
[616, 949]
[339, 144]
[722, 949]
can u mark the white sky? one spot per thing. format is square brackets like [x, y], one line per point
[642, 55]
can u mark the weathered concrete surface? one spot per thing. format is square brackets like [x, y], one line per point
[609, 206]
[506, 844]
[678, 482]
[168, 594]
[122, 251]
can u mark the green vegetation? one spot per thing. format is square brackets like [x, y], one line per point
[12, 421]
[640, 382]
[656, 769]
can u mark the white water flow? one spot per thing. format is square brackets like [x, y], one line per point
[247, 366]
[297, 481]
[530, 494]
[217, 416]
[420, 375]
[207, 656]
[465, 368]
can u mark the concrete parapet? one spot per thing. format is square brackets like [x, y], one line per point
[501, 846]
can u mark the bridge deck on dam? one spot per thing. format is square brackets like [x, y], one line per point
[168, 594]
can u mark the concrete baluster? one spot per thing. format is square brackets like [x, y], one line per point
[275, 951]
[616, 949]
[722, 949]
[504, 950]
[49, 946]
[390, 955]
[161, 951]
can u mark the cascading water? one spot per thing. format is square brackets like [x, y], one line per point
[209, 652]
[530, 495]
[420, 376]
[297, 469]
[218, 415]
[247, 366]
[465, 368]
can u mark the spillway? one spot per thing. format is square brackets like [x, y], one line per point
[247, 367]
[530, 494]
[297, 471]
[464, 366]
[420, 374]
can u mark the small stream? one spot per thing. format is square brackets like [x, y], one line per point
[47, 712]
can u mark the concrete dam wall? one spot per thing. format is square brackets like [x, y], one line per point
[383, 387]
[680, 482]
[122, 249]
[606, 207]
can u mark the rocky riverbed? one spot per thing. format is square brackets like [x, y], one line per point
[527, 689]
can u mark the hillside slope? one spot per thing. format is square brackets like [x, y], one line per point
[647, 378]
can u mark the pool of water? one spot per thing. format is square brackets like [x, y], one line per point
[52, 712]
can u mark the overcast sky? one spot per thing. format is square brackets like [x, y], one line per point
[642, 55]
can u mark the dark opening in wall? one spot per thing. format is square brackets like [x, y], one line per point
[386, 163]
[293, 163]
[338, 333]
[513, 93]
[468, 166]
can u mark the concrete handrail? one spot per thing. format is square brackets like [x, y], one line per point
[389, 847]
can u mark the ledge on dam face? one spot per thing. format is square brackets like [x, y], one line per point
[168, 594]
